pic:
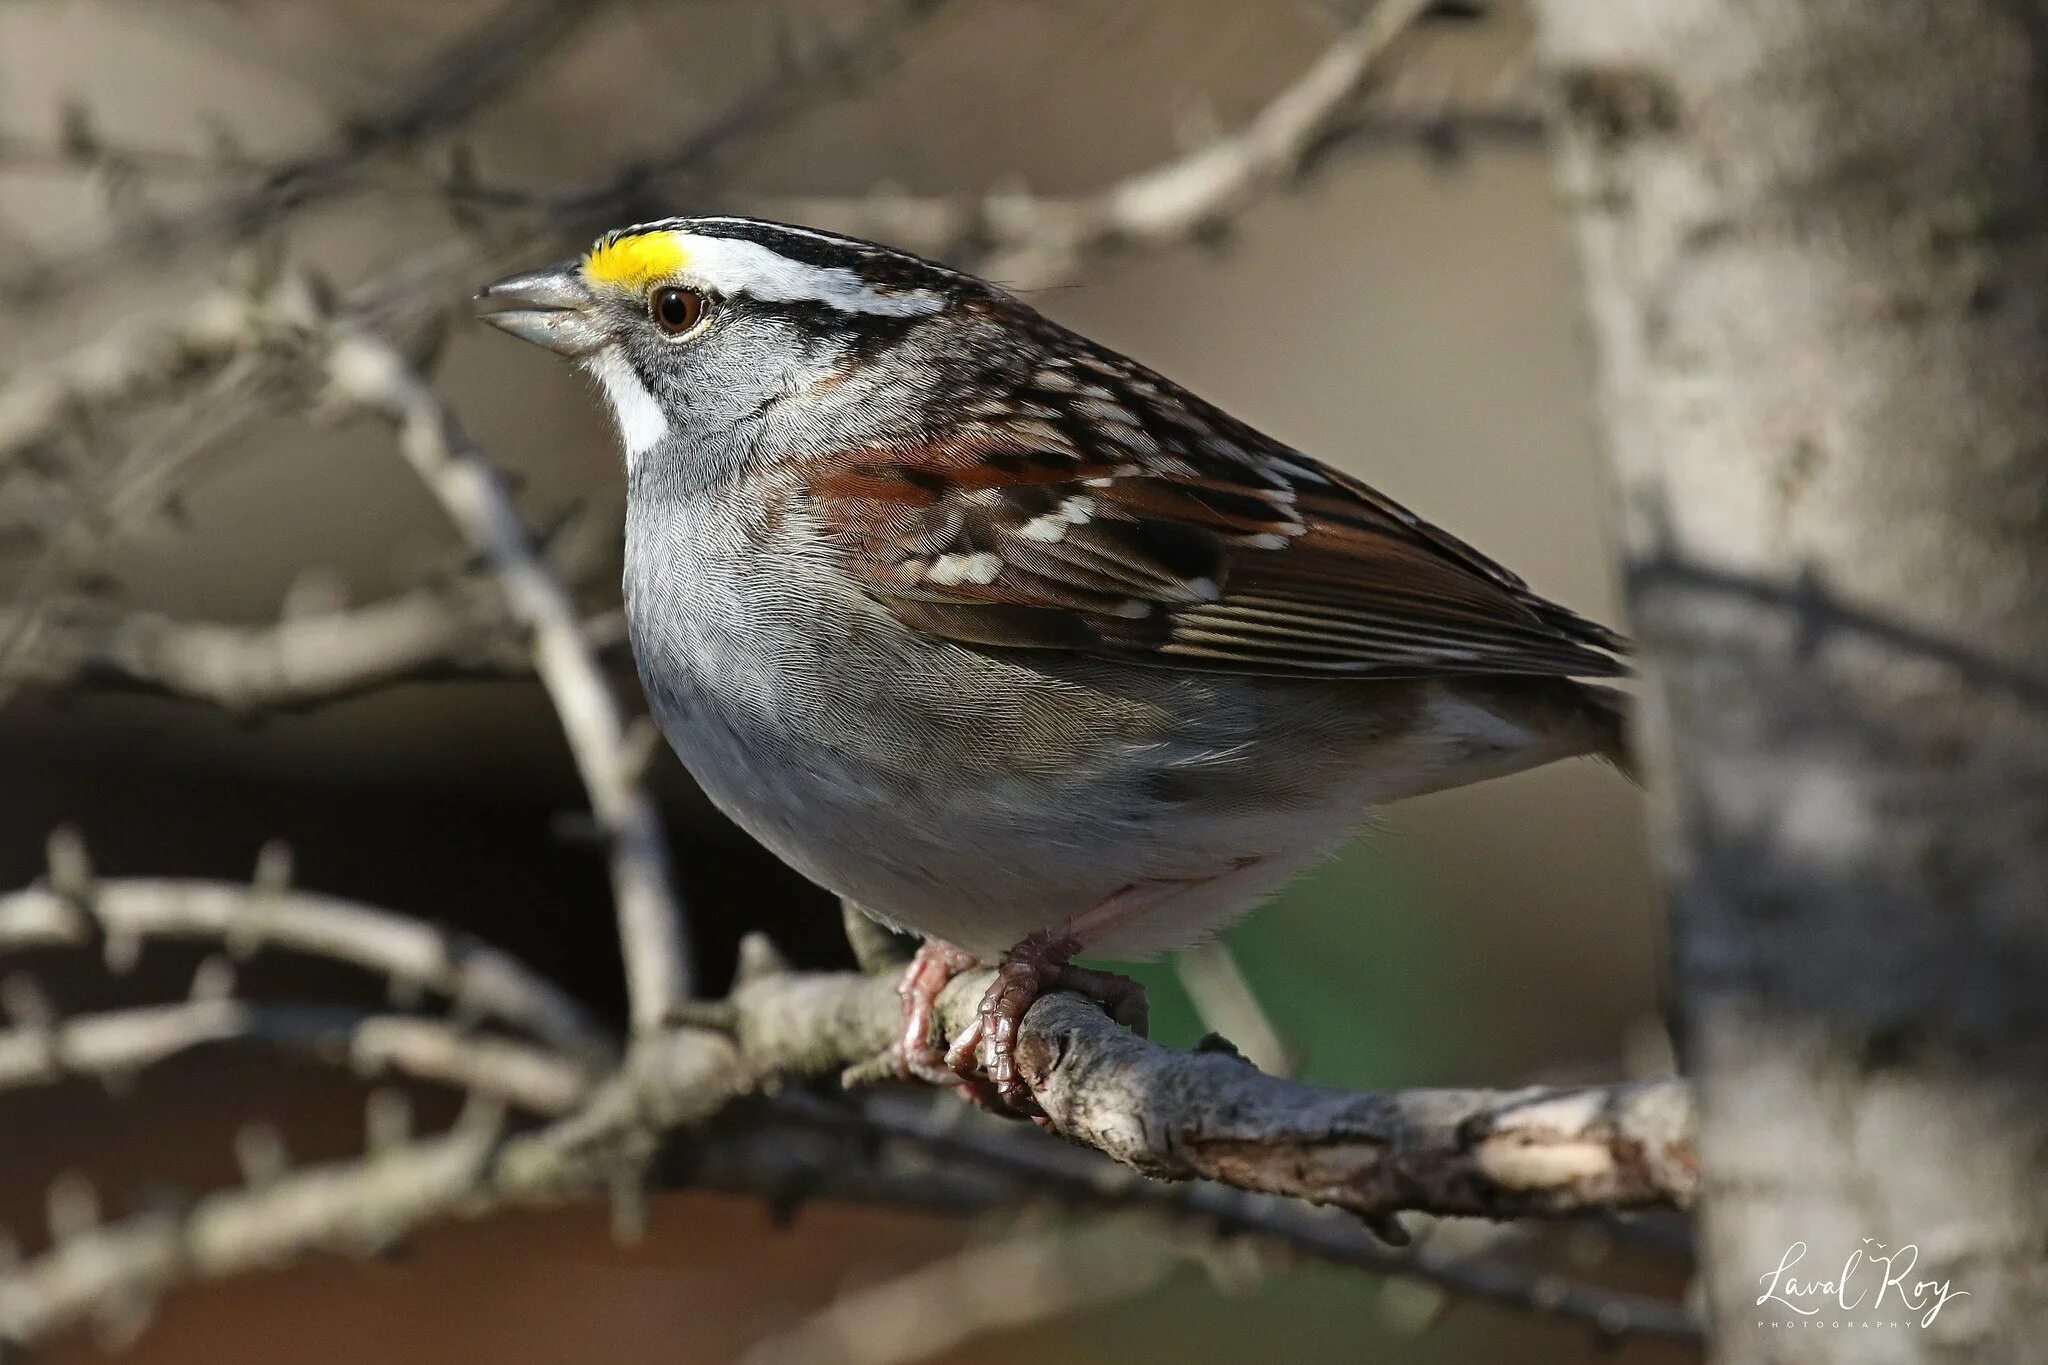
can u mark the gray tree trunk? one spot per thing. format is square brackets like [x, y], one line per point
[1816, 243]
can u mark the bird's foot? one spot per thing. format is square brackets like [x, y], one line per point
[935, 965]
[1037, 965]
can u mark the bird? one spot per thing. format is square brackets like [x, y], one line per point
[1008, 640]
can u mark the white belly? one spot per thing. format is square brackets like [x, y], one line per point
[976, 796]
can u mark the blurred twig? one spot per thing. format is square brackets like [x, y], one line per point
[449, 86]
[1470, 1151]
[610, 757]
[1028, 240]
[303, 661]
[114, 1045]
[1016, 1280]
[411, 955]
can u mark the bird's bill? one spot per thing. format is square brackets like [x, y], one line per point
[551, 308]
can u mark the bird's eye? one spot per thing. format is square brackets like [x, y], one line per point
[674, 310]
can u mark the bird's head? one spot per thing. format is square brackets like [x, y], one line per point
[697, 328]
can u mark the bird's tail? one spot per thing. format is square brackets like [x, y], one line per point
[1603, 713]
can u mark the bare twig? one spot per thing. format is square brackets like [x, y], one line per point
[1229, 1008]
[942, 1305]
[133, 366]
[115, 1045]
[355, 1207]
[1029, 240]
[453, 631]
[450, 85]
[1515, 1152]
[481, 980]
[375, 377]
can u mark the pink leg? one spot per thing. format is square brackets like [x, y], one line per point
[1042, 963]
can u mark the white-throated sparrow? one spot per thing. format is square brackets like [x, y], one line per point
[1005, 638]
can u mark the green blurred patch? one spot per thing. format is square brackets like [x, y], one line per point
[1347, 963]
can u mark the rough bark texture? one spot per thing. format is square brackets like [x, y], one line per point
[1816, 235]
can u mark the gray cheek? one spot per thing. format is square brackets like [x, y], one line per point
[733, 376]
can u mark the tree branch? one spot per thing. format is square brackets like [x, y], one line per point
[1028, 240]
[373, 376]
[481, 981]
[297, 663]
[1531, 1151]
[450, 85]
[116, 1044]
[1180, 1116]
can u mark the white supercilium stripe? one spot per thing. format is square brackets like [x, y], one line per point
[727, 265]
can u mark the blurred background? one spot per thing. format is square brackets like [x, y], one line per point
[1407, 311]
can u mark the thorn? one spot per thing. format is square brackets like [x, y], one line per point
[72, 1206]
[120, 1319]
[319, 591]
[253, 270]
[260, 1152]
[212, 979]
[223, 143]
[1388, 1228]
[759, 959]
[273, 874]
[628, 1191]
[1215, 1044]
[25, 1001]
[176, 511]
[786, 1201]
[70, 868]
[387, 1119]
[75, 132]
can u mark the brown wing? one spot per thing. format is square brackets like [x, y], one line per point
[1102, 510]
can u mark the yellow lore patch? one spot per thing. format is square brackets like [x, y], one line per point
[637, 261]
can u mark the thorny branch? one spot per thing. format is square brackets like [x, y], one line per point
[116, 1044]
[1029, 241]
[451, 85]
[371, 375]
[1501, 1153]
[413, 956]
[456, 630]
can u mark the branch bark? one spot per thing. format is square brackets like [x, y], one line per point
[1501, 1153]
[1816, 241]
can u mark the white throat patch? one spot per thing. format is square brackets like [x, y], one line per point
[641, 420]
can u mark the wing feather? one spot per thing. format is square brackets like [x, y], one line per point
[1199, 544]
